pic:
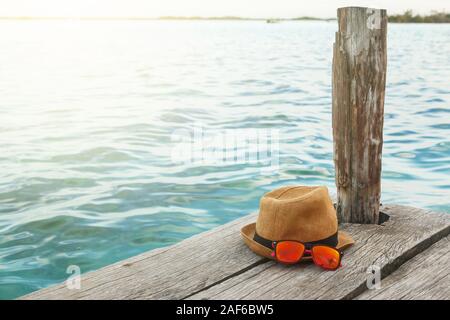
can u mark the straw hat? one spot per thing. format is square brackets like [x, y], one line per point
[300, 213]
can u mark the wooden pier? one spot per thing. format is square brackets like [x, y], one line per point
[409, 252]
[411, 249]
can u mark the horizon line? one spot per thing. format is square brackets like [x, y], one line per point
[158, 18]
[206, 18]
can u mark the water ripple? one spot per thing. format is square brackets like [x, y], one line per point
[87, 175]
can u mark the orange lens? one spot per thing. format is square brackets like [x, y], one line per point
[326, 257]
[289, 251]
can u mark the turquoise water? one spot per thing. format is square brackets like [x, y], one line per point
[88, 110]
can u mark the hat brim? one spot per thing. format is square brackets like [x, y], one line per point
[248, 232]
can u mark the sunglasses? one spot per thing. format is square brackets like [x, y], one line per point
[290, 252]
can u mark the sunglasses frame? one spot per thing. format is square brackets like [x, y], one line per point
[307, 250]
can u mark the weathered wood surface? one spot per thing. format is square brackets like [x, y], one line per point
[424, 277]
[407, 233]
[359, 77]
[216, 264]
[168, 273]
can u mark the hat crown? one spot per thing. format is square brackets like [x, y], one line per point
[299, 213]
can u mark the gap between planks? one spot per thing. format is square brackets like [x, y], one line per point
[217, 265]
[409, 232]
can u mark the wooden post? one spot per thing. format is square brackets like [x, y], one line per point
[359, 77]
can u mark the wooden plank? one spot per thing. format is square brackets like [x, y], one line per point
[217, 264]
[424, 277]
[167, 273]
[359, 77]
[408, 232]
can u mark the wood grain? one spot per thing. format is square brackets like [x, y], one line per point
[359, 77]
[217, 265]
[408, 232]
[168, 273]
[424, 277]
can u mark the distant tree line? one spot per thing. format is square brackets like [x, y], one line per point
[408, 16]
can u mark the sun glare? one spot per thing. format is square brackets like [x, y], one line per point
[246, 8]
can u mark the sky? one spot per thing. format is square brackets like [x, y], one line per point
[205, 8]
